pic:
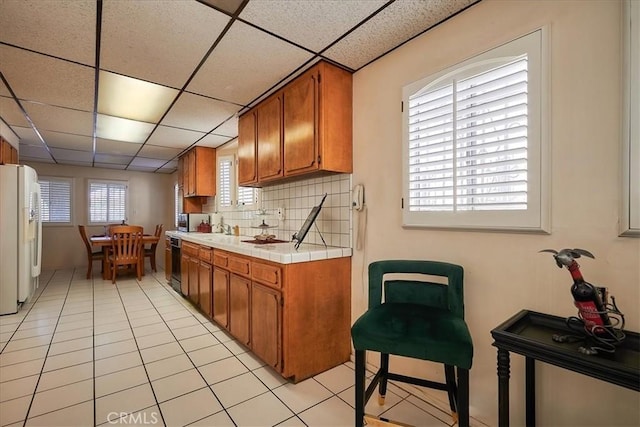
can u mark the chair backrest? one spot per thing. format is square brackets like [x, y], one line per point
[411, 290]
[85, 239]
[126, 242]
[158, 230]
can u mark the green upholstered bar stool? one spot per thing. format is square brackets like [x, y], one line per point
[420, 319]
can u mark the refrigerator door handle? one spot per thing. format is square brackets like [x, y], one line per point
[37, 259]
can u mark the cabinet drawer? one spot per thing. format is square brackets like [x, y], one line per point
[189, 249]
[241, 266]
[266, 274]
[206, 254]
[220, 259]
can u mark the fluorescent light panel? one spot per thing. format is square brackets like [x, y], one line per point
[118, 129]
[133, 99]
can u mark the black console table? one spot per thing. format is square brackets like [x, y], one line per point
[529, 333]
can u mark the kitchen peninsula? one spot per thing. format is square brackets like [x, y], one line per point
[290, 307]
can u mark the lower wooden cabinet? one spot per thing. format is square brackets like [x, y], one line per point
[221, 297]
[205, 276]
[184, 274]
[266, 324]
[295, 317]
[239, 301]
[194, 288]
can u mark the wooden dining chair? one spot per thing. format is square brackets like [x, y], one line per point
[151, 252]
[126, 249]
[91, 256]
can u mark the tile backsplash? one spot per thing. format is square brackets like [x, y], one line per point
[297, 198]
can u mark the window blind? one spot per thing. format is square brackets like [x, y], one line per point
[225, 166]
[55, 205]
[468, 142]
[246, 195]
[107, 201]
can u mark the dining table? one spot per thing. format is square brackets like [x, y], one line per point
[104, 242]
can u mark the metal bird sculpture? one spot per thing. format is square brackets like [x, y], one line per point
[565, 257]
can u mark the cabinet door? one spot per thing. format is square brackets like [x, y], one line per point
[193, 279]
[300, 118]
[190, 185]
[269, 117]
[247, 166]
[239, 300]
[266, 324]
[181, 172]
[221, 296]
[204, 285]
[184, 275]
[14, 156]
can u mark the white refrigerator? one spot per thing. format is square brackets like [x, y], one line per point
[20, 236]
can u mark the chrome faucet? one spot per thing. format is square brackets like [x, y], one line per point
[227, 230]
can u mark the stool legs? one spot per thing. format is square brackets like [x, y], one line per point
[360, 392]
[384, 376]
[463, 397]
[452, 391]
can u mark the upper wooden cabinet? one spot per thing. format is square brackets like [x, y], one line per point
[305, 128]
[198, 172]
[317, 121]
[247, 149]
[8, 154]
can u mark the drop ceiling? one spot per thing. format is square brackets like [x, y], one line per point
[67, 68]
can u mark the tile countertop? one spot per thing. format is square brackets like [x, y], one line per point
[283, 253]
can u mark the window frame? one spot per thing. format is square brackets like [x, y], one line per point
[630, 207]
[71, 199]
[536, 218]
[233, 182]
[107, 181]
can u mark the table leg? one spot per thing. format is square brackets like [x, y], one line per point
[106, 273]
[503, 388]
[530, 391]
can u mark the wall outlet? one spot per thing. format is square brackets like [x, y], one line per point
[280, 212]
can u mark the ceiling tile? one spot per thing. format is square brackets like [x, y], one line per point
[11, 113]
[147, 163]
[111, 165]
[158, 41]
[63, 29]
[113, 159]
[228, 128]
[166, 170]
[199, 113]
[155, 152]
[43, 79]
[317, 22]
[245, 64]
[3, 90]
[165, 136]
[108, 146]
[27, 135]
[398, 22]
[67, 140]
[230, 6]
[46, 117]
[213, 141]
[141, 168]
[119, 129]
[33, 152]
[64, 155]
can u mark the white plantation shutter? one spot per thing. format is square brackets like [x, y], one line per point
[107, 201]
[228, 194]
[246, 195]
[225, 181]
[473, 142]
[55, 205]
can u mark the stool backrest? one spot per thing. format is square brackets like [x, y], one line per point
[448, 296]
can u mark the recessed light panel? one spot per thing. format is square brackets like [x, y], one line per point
[118, 129]
[133, 99]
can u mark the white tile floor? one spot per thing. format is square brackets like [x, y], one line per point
[86, 352]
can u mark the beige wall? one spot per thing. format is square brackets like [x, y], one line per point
[150, 203]
[503, 271]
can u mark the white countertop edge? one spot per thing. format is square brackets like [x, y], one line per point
[282, 253]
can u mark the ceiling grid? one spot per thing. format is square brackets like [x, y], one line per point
[60, 60]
